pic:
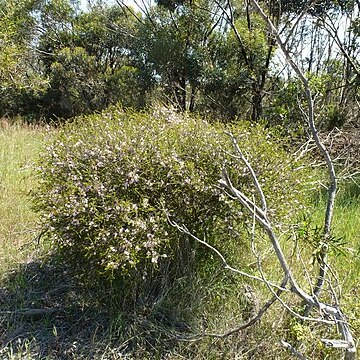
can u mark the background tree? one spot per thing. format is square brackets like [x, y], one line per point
[326, 45]
[211, 57]
[187, 49]
[20, 76]
[88, 64]
[173, 50]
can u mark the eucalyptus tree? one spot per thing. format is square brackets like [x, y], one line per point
[20, 78]
[173, 46]
[188, 49]
[86, 56]
[322, 36]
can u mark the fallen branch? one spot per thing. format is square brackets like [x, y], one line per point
[329, 314]
[241, 327]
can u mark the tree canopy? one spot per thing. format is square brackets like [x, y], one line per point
[211, 57]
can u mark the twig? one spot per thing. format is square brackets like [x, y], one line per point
[249, 323]
[252, 173]
[313, 301]
[184, 230]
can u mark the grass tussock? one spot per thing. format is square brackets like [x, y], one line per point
[346, 265]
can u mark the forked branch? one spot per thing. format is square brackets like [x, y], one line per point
[329, 314]
[343, 328]
[311, 300]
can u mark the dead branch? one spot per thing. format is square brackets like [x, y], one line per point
[259, 214]
[313, 301]
[331, 28]
[241, 327]
[184, 230]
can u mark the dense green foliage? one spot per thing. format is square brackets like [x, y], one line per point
[109, 182]
[59, 60]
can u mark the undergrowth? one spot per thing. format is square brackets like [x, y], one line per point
[109, 183]
[47, 312]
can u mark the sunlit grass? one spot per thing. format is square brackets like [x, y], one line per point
[19, 146]
[345, 226]
[346, 266]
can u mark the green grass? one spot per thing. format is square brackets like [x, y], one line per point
[19, 146]
[346, 225]
[86, 323]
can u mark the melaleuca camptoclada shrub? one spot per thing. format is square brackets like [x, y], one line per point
[108, 182]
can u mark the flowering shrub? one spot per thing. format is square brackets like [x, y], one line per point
[109, 181]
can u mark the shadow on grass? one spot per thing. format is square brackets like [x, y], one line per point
[47, 313]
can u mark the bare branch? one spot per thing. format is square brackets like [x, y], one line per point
[343, 327]
[230, 17]
[311, 118]
[131, 11]
[331, 28]
[299, 18]
[236, 329]
[184, 230]
[262, 219]
[252, 172]
[244, 326]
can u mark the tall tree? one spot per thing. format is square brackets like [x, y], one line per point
[19, 69]
[86, 56]
[172, 49]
